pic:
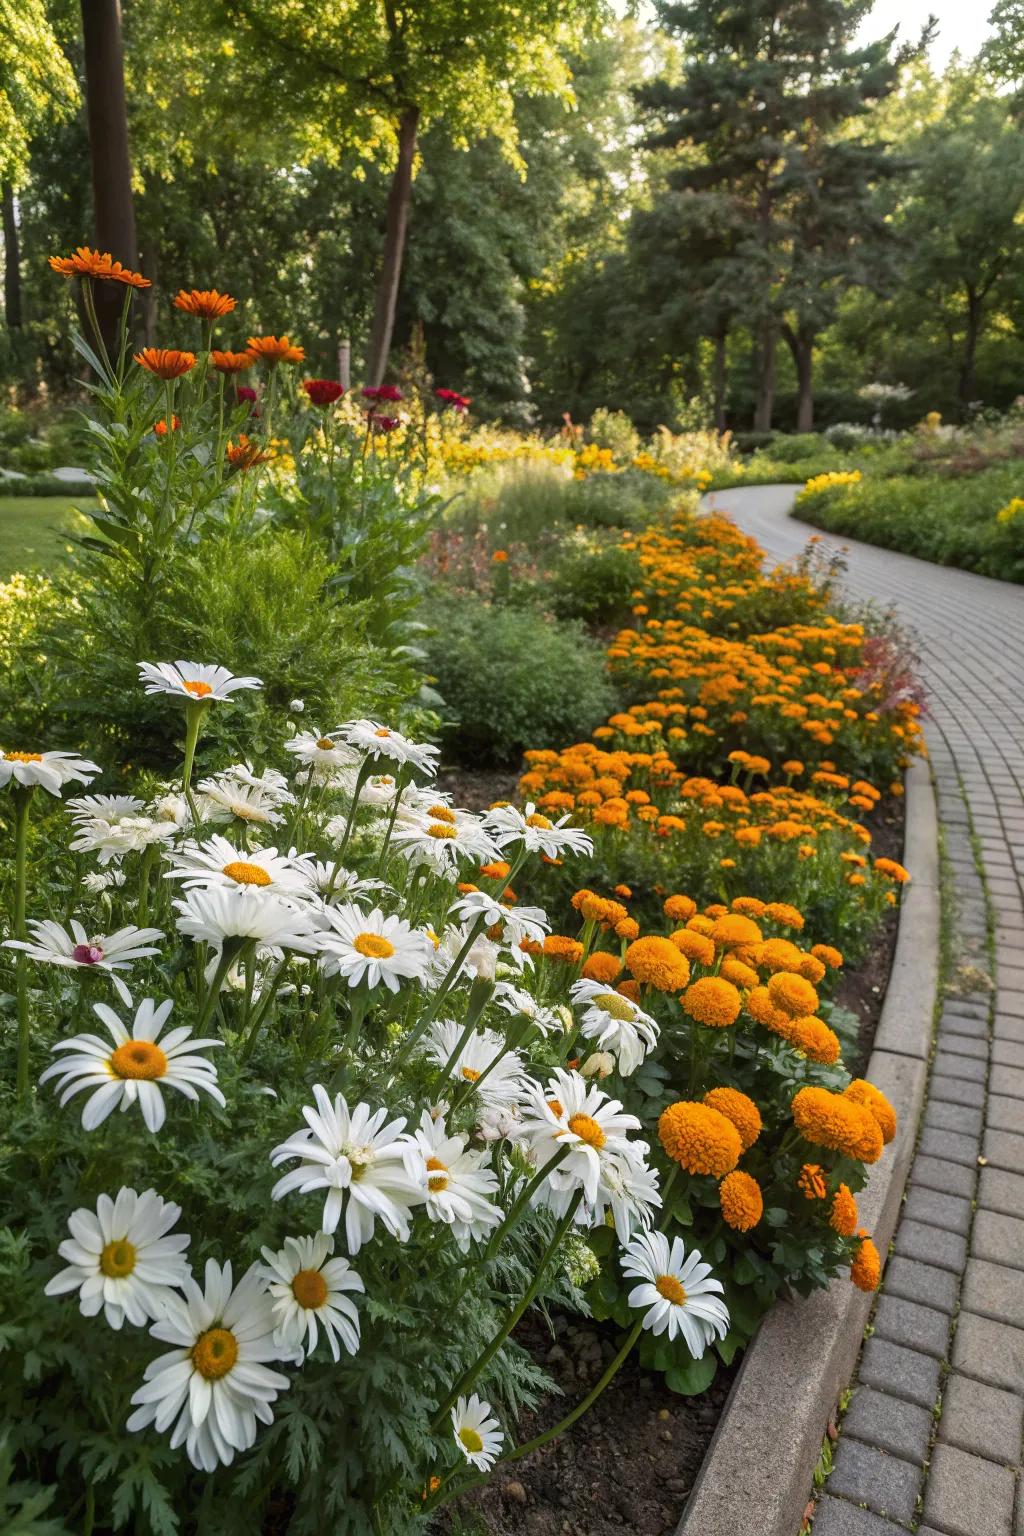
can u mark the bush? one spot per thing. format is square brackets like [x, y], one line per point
[513, 678]
[593, 580]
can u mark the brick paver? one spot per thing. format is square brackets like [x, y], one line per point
[932, 1438]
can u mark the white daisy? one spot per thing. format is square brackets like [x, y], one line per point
[573, 1116]
[484, 1052]
[477, 1434]
[517, 923]
[459, 1182]
[126, 834]
[318, 751]
[97, 882]
[363, 1163]
[220, 913]
[308, 1288]
[135, 1068]
[442, 842]
[377, 741]
[628, 1189]
[512, 999]
[537, 833]
[193, 681]
[50, 770]
[215, 1381]
[218, 863]
[77, 951]
[103, 807]
[615, 1022]
[341, 885]
[479, 962]
[367, 948]
[676, 1290]
[225, 798]
[121, 1258]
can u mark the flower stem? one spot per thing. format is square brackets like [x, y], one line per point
[22, 800]
[229, 951]
[194, 716]
[524, 1195]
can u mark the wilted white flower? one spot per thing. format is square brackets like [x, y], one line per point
[598, 1064]
[676, 1290]
[517, 923]
[297, 706]
[114, 839]
[51, 944]
[482, 1059]
[121, 1258]
[514, 1000]
[192, 681]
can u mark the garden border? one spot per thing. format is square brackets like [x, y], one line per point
[756, 1477]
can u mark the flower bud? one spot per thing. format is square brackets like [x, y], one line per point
[600, 1064]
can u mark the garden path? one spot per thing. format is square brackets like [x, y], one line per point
[948, 1329]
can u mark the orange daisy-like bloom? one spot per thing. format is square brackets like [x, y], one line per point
[866, 1269]
[816, 1040]
[843, 1218]
[99, 264]
[792, 994]
[558, 947]
[734, 931]
[657, 962]
[204, 303]
[697, 947]
[738, 1108]
[713, 1002]
[699, 1139]
[739, 1195]
[811, 1181]
[496, 870]
[165, 362]
[245, 453]
[232, 362]
[600, 966]
[680, 908]
[874, 1100]
[829, 1120]
[275, 349]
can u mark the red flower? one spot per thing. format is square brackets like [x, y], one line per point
[323, 391]
[382, 392]
[245, 393]
[383, 423]
[451, 397]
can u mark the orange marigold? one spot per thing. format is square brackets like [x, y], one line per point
[600, 966]
[749, 906]
[738, 1108]
[892, 870]
[697, 947]
[843, 1218]
[734, 931]
[811, 1181]
[741, 975]
[778, 955]
[792, 994]
[762, 1010]
[630, 989]
[699, 1138]
[866, 1269]
[816, 1040]
[245, 453]
[811, 969]
[657, 962]
[740, 1198]
[624, 891]
[680, 908]
[204, 303]
[558, 947]
[873, 1099]
[782, 913]
[627, 928]
[275, 349]
[829, 1120]
[712, 1001]
[827, 955]
[165, 362]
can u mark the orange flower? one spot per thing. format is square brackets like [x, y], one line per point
[713, 1002]
[659, 963]
[738, 1108]
[829, 1120]
[275, 349]
[815, 1039]
[160, 427]
[811, 1181]
[87, 263]
[558, 947]
[601, 967]
[827, 955]
[245, 453]
[699, 1139]
[204, 303]
[875, 1101]
[738, 973]
[680, 908]
[844, 1212]
[165, 362]
[741, 1200]
[792, 994]
[734, 931]
[866, 1269]
[695, 946]
[232, 362]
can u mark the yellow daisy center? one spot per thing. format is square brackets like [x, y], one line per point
[382, 732]
[438, 1175]
[614, 1003]
[118, 1259]
[470, 1074]
[441, 829]
[536, 820]
[197, 689]
[24, 757]
[138, 1059]
[588, 1130]
[245, 873]
[246, 812]
[442, 813]
[309, 1288]
[214, 1353]
[471, 1440]
[373, 945]
[669, 1287]
[325, 744]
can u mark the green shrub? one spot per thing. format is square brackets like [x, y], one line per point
[512, 679]
[594, 580]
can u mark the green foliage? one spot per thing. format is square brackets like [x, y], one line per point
[593, 579]
[512, 679]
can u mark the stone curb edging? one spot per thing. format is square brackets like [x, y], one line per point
[756, 1476]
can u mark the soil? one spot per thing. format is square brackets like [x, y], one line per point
[626, 1468]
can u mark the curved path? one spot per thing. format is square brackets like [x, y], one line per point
[933, 1431]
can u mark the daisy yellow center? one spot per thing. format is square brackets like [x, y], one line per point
[588, 1130]
[246, 874]
[325, 744]
[118, 1259]
[614, 1003]
[24, 757]
[382, 732]
[669, 1287]
[442, 813]
[309, 1288]
[373, 946]
[438, 1175]
[138, 1059]
[441, 829]
[471, 1439]
[246, 812]
[470, 1074]
[214, 1353]
[197, 689]
[536, 820]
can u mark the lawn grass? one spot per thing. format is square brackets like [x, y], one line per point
[34, 530]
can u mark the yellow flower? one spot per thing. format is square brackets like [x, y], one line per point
[830, 1120]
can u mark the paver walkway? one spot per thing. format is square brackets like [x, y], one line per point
[932, 1438]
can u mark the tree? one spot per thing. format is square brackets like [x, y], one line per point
[765, 117]
[107, 114]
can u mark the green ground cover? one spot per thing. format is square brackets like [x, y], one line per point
[35, 530]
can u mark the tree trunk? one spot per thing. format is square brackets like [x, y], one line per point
[12, 262]
[718, 377]
[107, 115]
[968, 377]
[801, 344]
[399, 201]
[765, 378]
